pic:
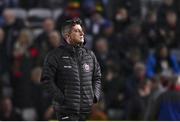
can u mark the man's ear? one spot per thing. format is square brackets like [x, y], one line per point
[67, 36]
[68, 39]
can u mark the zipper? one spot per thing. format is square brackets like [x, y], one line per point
[79, 71]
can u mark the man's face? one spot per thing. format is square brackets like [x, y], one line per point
[9, 17]
[48, 25]
[164, 52]
[171, 18]
[76, 35]
[54, 39]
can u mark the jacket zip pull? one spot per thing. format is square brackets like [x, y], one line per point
[79, 71]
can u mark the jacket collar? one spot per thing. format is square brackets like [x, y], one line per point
[69, 47]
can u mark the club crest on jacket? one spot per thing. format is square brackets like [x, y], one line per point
[86, 67]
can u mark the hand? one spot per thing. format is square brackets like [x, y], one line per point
[48, 113]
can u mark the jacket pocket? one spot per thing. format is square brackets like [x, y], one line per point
[59, 99]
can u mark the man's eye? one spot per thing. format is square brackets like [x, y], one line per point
[78, 31]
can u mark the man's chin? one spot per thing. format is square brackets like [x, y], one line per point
[82, 41]
[79, 42]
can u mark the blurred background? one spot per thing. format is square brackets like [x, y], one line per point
[137, 43]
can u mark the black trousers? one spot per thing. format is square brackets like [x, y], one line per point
[71, 117]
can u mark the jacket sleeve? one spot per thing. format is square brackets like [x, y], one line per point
[155, 109]
[96, 79]
[48, 78]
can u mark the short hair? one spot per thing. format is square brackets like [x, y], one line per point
[68, 24]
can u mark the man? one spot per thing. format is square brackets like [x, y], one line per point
[11, 28]
[167, 105]
[41, 42]
[71, 74]
[42, 39]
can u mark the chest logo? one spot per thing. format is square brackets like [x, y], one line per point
[86, 67]
[65, 57]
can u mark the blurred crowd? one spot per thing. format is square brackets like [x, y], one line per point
[136, 43]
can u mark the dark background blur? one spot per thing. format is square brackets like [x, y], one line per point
[136, 43]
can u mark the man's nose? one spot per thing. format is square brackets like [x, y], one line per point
[81, 33]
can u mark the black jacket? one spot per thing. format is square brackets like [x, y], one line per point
[72, 77]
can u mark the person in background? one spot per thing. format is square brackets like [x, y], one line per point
[42, 40]
[20, 75]
[150, 29]
[41, 99]
[169, 32]
[41, 43]
[137, 105]
[157, 89]
[7, 110]
[162, 62]
[136, 91]
[54, 39]
[167, 106]
[12, 28]
[134, 82]
[121, 20]
[162, 10]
